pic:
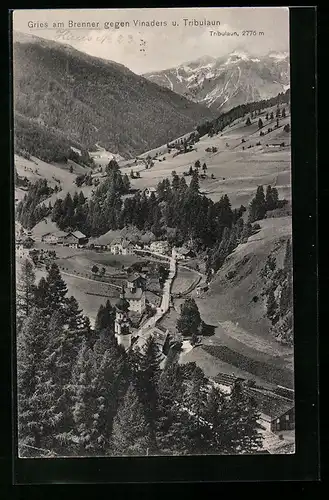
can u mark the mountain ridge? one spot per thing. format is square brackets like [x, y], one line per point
[89, 99]
[227, 81]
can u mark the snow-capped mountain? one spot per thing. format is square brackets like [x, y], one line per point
[224, 82]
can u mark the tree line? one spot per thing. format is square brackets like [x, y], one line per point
[30, 210]
[80, 394]
[218, 124]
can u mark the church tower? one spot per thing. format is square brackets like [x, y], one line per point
[121, 324]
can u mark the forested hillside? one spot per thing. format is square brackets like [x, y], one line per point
[63, 93]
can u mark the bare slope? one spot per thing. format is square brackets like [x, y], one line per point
[75, 98]
[235, 306]
[238, 167]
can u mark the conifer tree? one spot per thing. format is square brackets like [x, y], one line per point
[257, 207]
[175, 183]
[84, 402]
[147, 377]
[194, 184]
[56, 289]
[189, 321]
[105, 317]
[194, 402]
[73, 314]
[62, 351]
[260, 123]
[31, 346]
[172, 435]
[243, 436]
[248, 121]
[41, 294]
[25, 289]
[217, 415]
[272, 307]
[131, 433]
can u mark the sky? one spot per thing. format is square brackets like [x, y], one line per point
[148, 49]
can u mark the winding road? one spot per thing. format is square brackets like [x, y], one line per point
[146, 329]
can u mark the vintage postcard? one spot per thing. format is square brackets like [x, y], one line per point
[153, 234]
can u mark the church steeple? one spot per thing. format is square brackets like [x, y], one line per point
[121, 323]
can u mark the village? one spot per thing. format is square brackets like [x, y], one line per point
[143, 307]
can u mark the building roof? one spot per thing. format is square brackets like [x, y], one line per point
[270, 404]
[159, 335]
[78, 234]
[134, 295]
[135, 276]
[121, 241]
[56, 234]
[183, 250]
[225, 379]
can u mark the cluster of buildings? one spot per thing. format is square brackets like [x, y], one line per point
[74, 239]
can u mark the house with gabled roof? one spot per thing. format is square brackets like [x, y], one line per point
[53, 238]
[75, 239]
[277, 413]
[121, 246]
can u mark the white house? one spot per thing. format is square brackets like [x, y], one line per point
[162, 247]
[122, 247]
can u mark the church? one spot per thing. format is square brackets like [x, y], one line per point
[132, 299]
[122, 324]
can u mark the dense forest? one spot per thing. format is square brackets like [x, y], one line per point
[177, 212]
[80, 394]
[30, 210]
[103, 102]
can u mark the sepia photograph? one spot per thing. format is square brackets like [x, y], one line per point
[153, 232]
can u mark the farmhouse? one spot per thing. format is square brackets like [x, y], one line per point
[182, 253]
[103, 242]
[122, 247]
[276, 412]
[53, 238]
[75, 239]
[160, 247]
